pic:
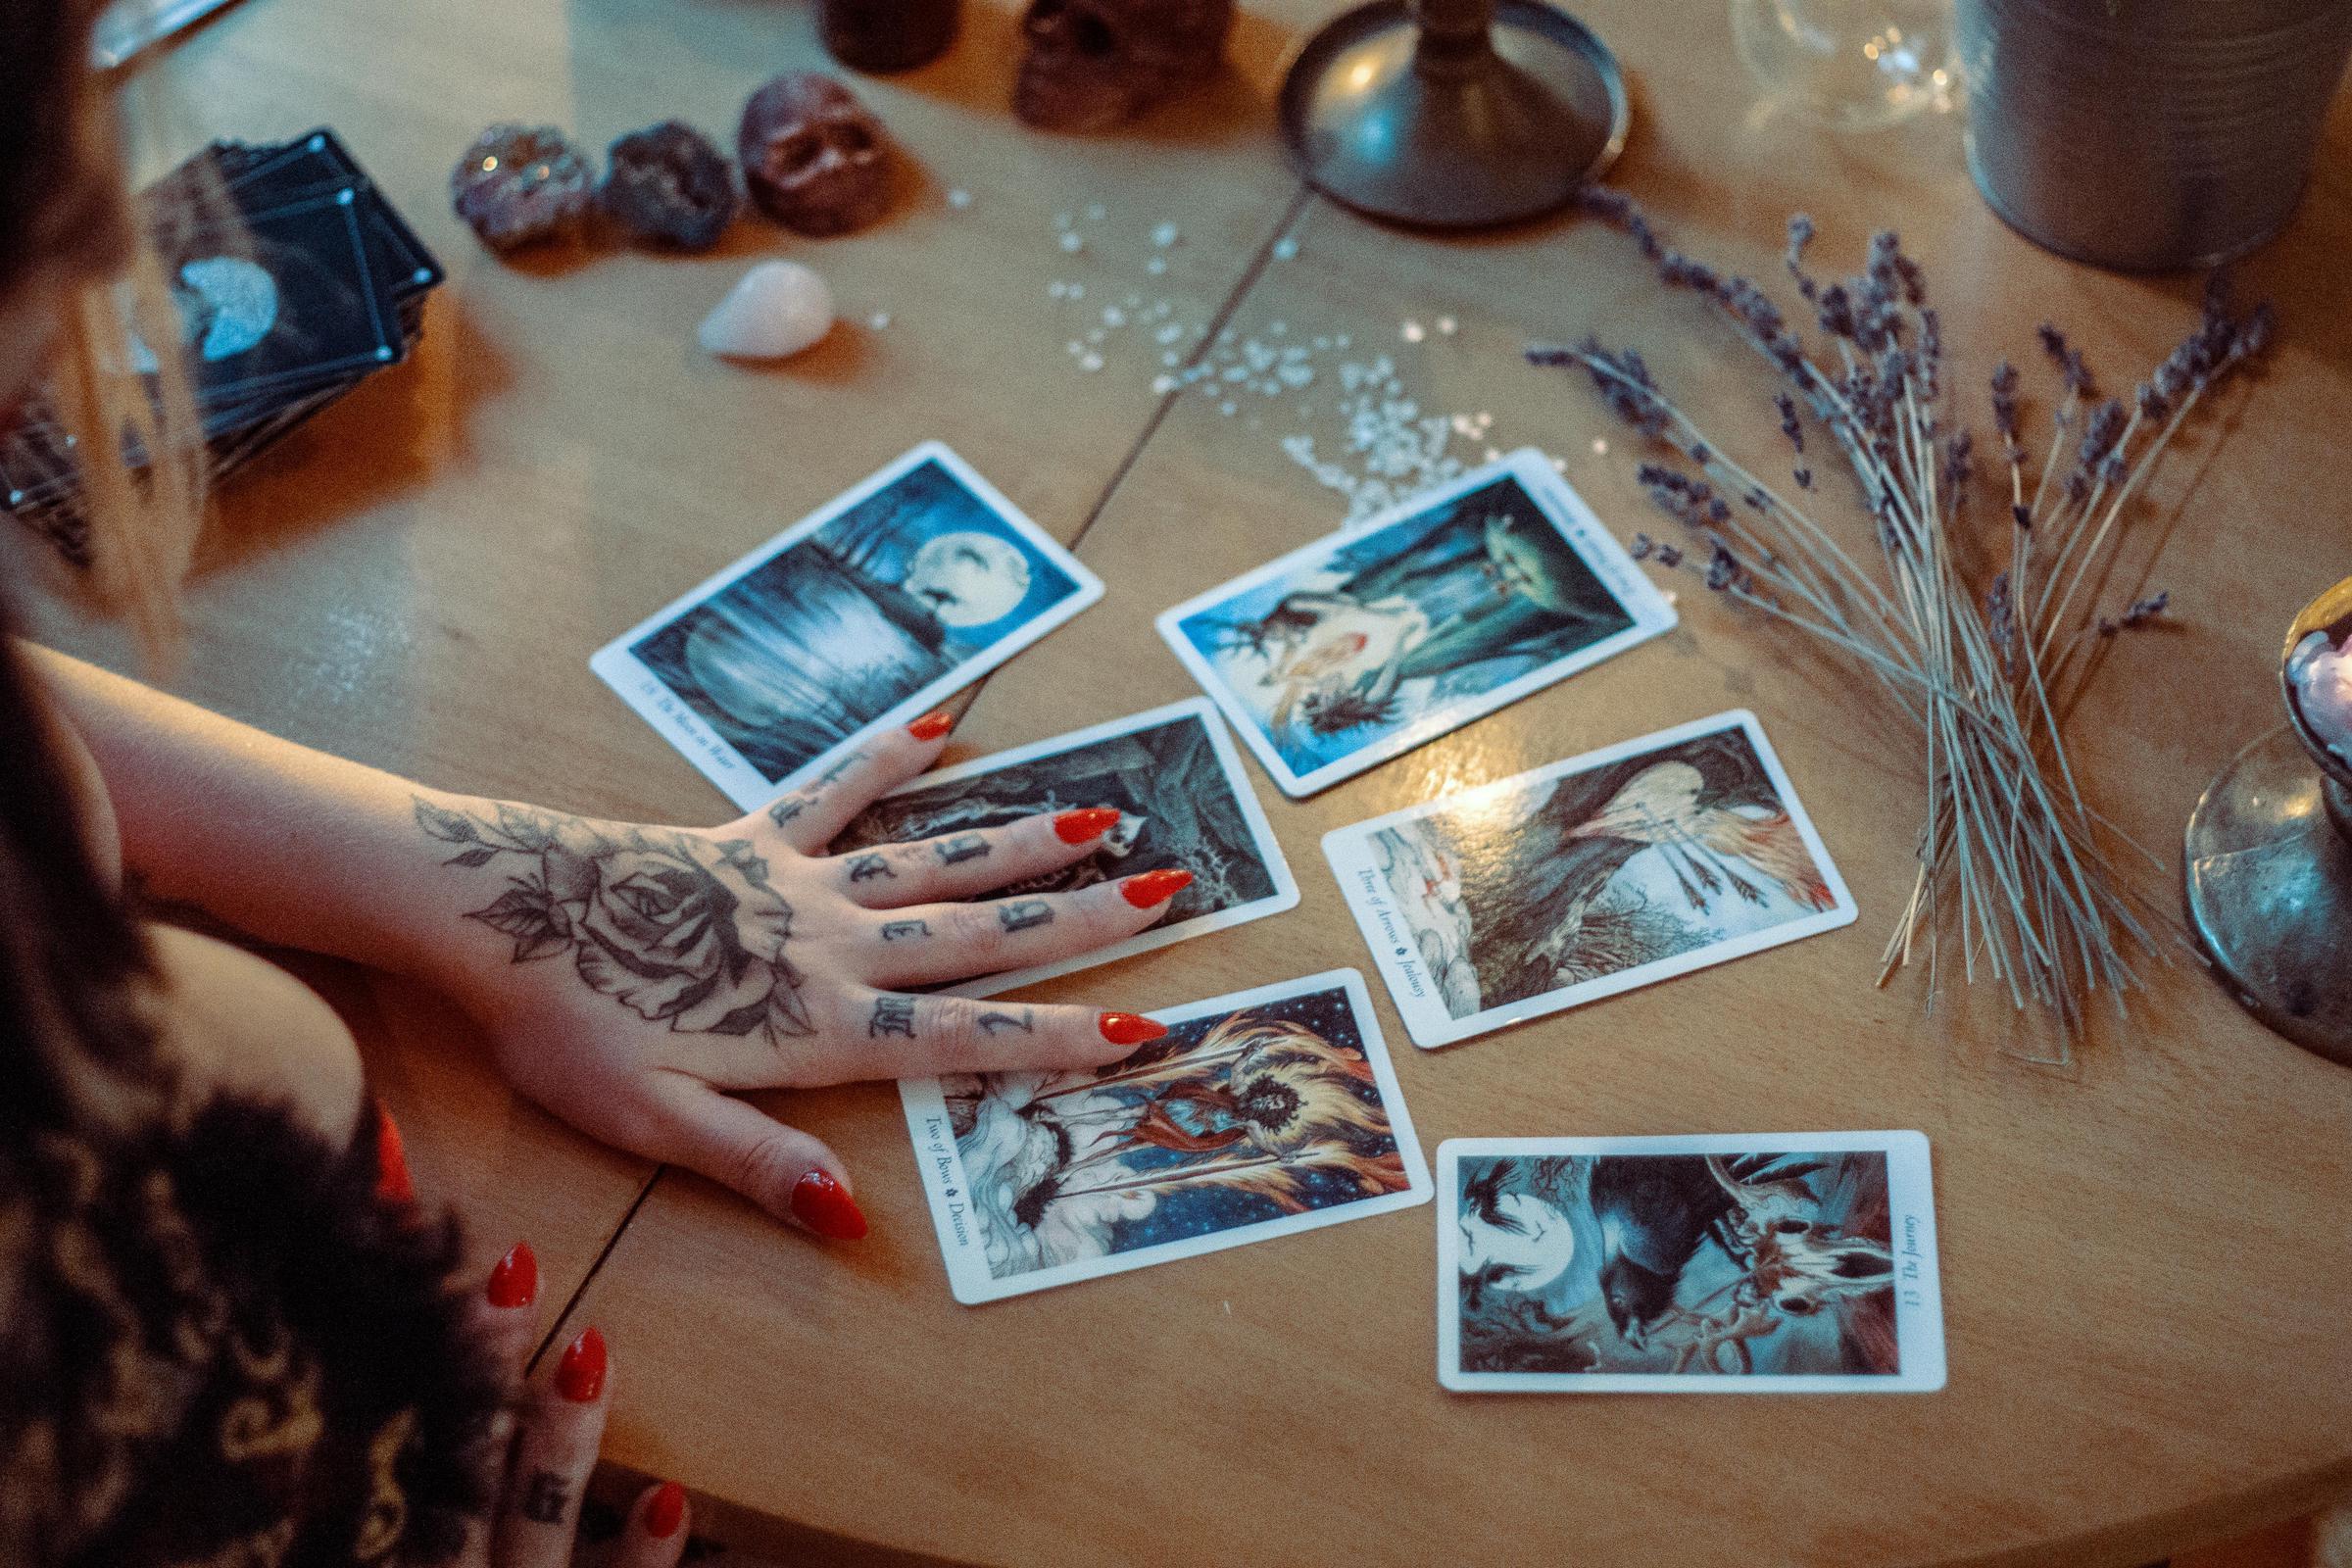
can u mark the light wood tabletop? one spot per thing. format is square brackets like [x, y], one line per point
[2145, 1260]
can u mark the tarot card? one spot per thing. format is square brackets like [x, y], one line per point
[1585, 878]
[1774, 1263]
[1371, 641]
[1260, 1114]
[1176, 782]
[863, 614]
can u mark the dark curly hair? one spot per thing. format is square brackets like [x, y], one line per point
[218, 1343]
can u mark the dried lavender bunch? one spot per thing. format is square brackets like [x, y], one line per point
[2011, 858]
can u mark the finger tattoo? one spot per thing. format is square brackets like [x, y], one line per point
[1024, 913]
[962, 847]
[993, 1024]
[903, 930]
[785, 810]
[867, 867]
[544, 1499]
[893, 1015]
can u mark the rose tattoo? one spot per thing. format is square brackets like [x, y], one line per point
[678, 929]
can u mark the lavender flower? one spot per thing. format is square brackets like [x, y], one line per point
[2100, 434]
[2000, 615]
[1794, 431]
[1800, 235]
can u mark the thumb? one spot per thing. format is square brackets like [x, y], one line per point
[781, 1168]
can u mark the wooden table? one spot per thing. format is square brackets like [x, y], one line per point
[2145, 1256]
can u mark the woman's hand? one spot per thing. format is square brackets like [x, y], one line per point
[638, 974]
[544, 1447]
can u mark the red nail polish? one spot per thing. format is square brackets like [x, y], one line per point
[826, 1207]
[581, 1375]
[1154, 887]
[392, 1183]
[932, 725]
[1091, 823]
[515, 1282]
[666, 1511]
[1129, 1029]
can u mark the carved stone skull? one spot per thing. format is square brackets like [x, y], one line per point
[1095, 62]
[813, 156]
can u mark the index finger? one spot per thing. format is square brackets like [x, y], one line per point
[809, 819]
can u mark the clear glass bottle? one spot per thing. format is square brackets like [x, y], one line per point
[1850, 65]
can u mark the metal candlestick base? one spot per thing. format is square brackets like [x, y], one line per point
[2268, 851]
[1453, 114]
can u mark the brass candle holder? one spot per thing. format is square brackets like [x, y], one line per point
[1453, 114]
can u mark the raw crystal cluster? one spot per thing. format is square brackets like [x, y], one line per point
[669, 185]
[518, 184]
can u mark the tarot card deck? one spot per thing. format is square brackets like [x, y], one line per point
[294, 280]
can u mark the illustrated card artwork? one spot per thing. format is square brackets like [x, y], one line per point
[1176, 781]
[1586, 878]
[1260, 1114]
[279, 299]
[1790, 1263]
[1371, 641]
[863, 615]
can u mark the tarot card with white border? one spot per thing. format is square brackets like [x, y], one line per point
[1584, 878]
[1385, 635]
[1184, 802]
[864, 613]
[1260, 1114]
[1730, 1263]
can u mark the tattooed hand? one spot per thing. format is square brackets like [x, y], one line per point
[630, 975]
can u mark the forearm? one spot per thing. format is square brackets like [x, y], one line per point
[290, 844]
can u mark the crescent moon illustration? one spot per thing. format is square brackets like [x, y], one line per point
[228, 305]
[968, 578]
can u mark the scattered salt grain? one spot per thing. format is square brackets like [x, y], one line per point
[879, 321]
[1093, 212]
[1090, 361]
[1156, 265]
[960, 198]
[1446, 325]
[1284, 248]
[1411, 332]
[1164, 235]
[1072, 242]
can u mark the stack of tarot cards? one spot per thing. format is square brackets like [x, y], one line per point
[294, 280]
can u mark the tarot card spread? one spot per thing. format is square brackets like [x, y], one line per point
[1586, 878]
[1797, 1264]
[1371, 641]
[863, 615]
[1260, 1114]
[1176, 782]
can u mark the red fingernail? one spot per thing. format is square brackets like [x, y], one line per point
[392, 1183]
[826, 1207]
[1154, 887]
[1129, 1028]
[666, 1511]
[515, 1282]
[1091, 823]
[581, 1375]
[932, 725]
